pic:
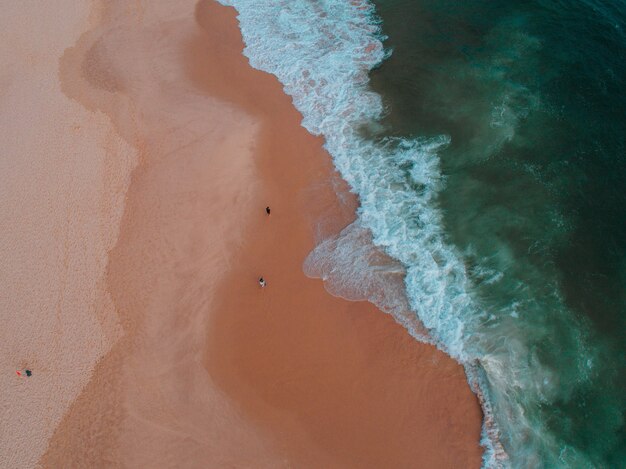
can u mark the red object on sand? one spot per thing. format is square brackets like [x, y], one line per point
[19, 373]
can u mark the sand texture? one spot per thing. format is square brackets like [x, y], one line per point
[63, 175]
[177, 358]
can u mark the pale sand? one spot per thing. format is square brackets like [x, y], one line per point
[63, 175]
[211, 370]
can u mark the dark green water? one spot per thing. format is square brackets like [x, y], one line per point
[532, 96]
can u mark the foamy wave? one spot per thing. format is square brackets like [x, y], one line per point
[322, 53]
[354, 268]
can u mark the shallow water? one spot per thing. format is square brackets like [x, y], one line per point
[486, 141]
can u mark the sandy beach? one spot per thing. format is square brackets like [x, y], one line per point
[64, 172]
[151, 341]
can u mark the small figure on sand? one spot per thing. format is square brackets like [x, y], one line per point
[28, 373]
[262, 282]
[267, 210]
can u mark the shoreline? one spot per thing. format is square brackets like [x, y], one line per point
[212, 369]
[355, 351]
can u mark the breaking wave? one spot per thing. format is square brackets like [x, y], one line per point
[397, 254]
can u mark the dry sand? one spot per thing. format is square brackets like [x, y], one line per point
[63, 175]
[210, 370]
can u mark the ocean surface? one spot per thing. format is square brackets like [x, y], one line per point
[487, 143]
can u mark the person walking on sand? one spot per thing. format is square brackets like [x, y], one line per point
[262, 282]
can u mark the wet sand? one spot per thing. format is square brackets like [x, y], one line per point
[339, 383]
[211, 370]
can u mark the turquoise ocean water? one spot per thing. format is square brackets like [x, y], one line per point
[487, 143]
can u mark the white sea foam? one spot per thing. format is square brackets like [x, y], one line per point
[354, 268]
[322, 52]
